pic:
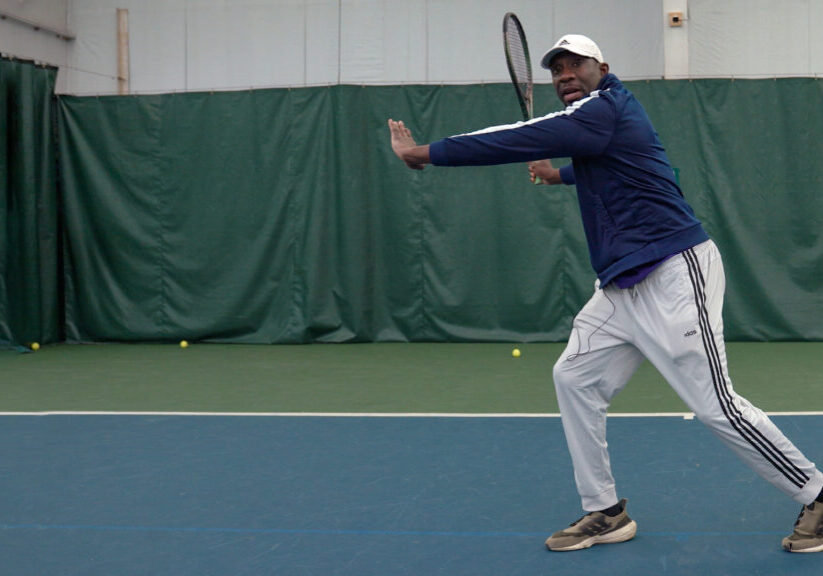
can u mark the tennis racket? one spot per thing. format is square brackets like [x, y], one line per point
[519, 64]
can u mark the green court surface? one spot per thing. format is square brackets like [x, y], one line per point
[372, 378]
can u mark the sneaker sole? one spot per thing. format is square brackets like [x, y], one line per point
[625, 533]
[804, 550]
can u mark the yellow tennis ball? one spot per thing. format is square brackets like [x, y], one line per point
[516, 352]
[35, 346]
[184, 344]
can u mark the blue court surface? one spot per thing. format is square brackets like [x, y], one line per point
[315, 495]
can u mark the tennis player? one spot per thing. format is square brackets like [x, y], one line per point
[658, 295]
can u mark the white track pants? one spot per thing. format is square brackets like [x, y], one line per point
[673, 318]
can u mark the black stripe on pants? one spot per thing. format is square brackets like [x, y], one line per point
[743, 427]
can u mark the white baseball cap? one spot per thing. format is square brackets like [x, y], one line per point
[576, 43]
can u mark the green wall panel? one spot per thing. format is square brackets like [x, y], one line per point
[29, 227]
[283, 216]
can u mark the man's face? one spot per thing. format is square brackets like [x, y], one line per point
[575, 76]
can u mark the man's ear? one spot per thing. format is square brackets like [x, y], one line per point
[604, 68]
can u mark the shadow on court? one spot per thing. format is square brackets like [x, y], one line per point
[228, 495]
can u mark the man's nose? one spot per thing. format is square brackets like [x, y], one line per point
[564, 75]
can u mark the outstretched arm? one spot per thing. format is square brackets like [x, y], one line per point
[416, 157]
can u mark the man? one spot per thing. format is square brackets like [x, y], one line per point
[658, 295]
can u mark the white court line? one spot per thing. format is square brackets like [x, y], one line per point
[683, 415]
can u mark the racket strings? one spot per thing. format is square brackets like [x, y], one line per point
[518, 57]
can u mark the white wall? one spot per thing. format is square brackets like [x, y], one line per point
[36, 30]
[224, 44]
[216, 44]
[755, 38]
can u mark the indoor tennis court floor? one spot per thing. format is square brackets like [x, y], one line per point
[390, 495]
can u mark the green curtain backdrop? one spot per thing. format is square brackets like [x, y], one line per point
[29, 231]
[283, 216]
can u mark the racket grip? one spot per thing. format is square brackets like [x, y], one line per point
[537, 180]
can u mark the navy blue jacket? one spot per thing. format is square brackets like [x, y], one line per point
[633, 211]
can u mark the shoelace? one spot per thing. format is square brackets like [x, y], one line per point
[579, 520]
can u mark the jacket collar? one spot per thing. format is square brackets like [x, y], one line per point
[609, 81]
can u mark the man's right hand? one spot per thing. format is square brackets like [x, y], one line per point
[416, 157]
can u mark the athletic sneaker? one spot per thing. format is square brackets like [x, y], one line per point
[808, 530]
[594, 528]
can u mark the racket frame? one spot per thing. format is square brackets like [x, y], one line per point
[525, 96]
[512, 25]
